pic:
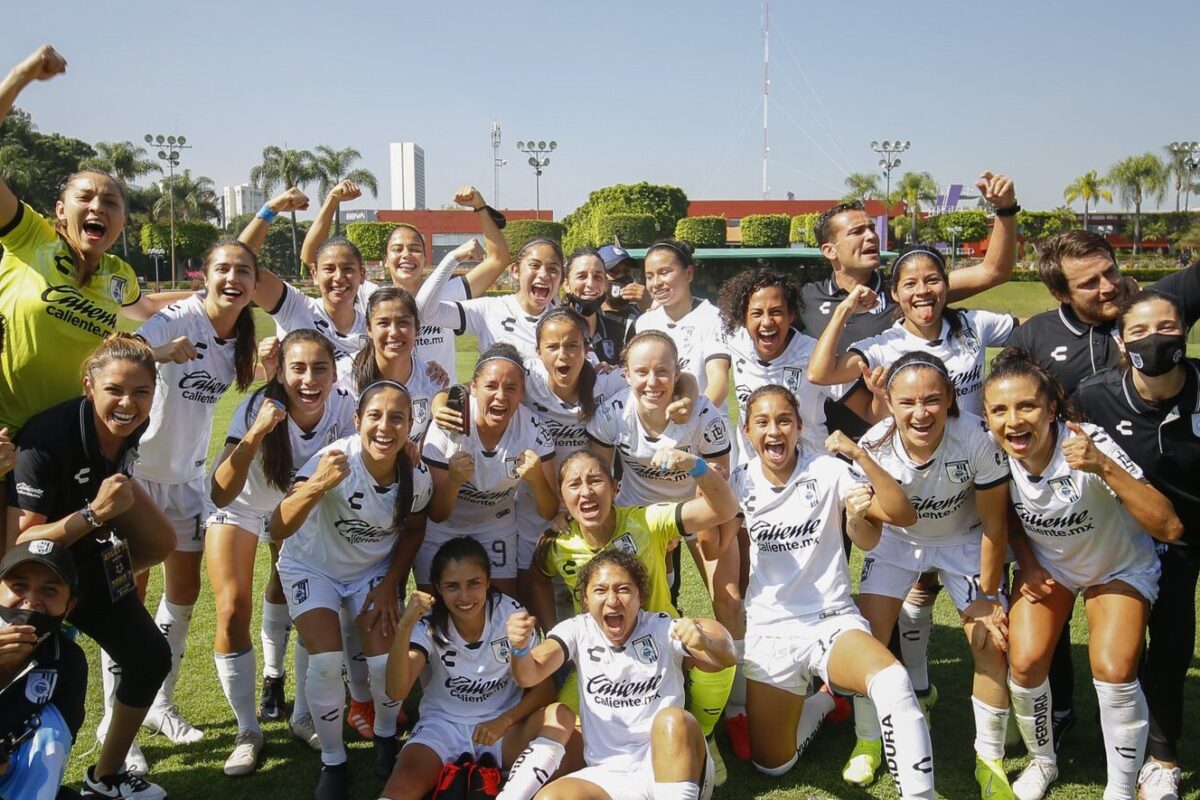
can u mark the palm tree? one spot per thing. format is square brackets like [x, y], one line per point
[863, 186]
[333, 167]
[18, 168]
[195, 199]
[1136, 179]
[285, 168]
[1088, 187]
[126, 162]
[911, 190]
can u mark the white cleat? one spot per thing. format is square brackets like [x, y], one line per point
[170, 723]
[1035, 779]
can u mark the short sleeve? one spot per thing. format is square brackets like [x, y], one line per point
[871, 351]
[663, 521]
[310, 466]
[238, 425]
[714, 432]
[160, 328]
[991, 465]
[1019, 337]
[566, 633]
[420, 639]
[602, 427]
[716, 347]
[292, 312]
[438, 448]
[1105, 444]
[25, 233]
[422, 489]
[474, 314]
[133, 290]
[609, 384]
[677, 649]
[994, 329]
[1184, 286]
[33, 484]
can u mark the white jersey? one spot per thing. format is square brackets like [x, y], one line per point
[420, 388]
[297, 310]
[621, 689]
[618, 425]
[788, 369]
[174, 446]
[963, 352]
[485, 503]
[470, 682]
[435, 344]
[258, 497]
[798, 569]
[349, 533]
[493, 319]
[1077, 526]
[562, 419]
[942, 489]
[698, 335]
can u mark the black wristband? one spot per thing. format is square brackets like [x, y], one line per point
[496, 216]
[1011, 211]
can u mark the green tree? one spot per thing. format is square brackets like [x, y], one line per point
[1137, 179]
[194, 198]
[1089, 188]
[913, 188]
[333, 167]
[971, 226]
[863, 186]
[126, 162]
[282, 168]
[667, 204]
[38, 162]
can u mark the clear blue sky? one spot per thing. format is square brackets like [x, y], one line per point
[668, 92]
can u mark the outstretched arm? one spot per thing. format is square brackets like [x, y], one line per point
[484, 274]
[319, 232]
[41, 65]
[269, 288]
[826, 366]
[1001, 258]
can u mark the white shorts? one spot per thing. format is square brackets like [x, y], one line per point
[183, 506]
[893, 567]
[636, 783]
[451, 739]
[306, 589]
[1144, 580]
[241, 516]
[789, 662]
[530, 527]
[501, 548]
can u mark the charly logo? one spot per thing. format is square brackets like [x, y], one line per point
[1064, 489]
[958, 471]
[645, 650]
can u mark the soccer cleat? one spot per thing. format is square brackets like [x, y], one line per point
[362, 718]
[122, 785]
[333, 783]
[247, 748]
[484, 780]
[927, 700]
[1158, 782]
[864, 762]
[271, 704]
[386, 749]
[993, 783]
[737, 728]
[1060, 724]
[1035, 779]
[454, 781]
[303, 729]
[720, 772]
[135, 760]
[170, 723]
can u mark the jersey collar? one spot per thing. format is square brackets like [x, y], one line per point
[833, 290]
[1075, 325]
[1188, 396]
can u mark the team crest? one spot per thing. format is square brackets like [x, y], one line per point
[420, 410]
[39, 687]
[116, 288]
[868, 562]
[792, 378]
[300, 591]
[1064, 489]
[510, 468]
[1196, 424]
[609, 349]
[808, 492]
[500, 649]
[715, 432]
[625, 544]
[41, 547]
[969, 340]
[644, 650]
[958, 471]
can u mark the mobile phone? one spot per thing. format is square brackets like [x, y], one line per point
[458, 401]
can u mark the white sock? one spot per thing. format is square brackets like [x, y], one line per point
[173, 620]
[532, 769]
[1125, 723]
[991, 724]
[907, 751]
[356, 663]
[386, 710]
[916, 626]
[779, 771]
[325, 699]
[235, 671]
[816, 707]
[736, 704]
[111, 676]
[276, 625]
[300, 669]
[866, 719]
[1031, 707]
[677, 790]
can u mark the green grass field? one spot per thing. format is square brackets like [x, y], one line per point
[289, 769]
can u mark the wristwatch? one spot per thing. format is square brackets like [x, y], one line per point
[1011, 211]
[89, 516]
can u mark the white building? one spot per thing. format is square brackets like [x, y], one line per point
[408, 176]
[242, 199]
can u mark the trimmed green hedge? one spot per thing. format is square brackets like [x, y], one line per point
[370, 238]
[1143, 274]
[802, 229]
[520, 231]
[631, 230]
[667, 204]
[766, 230]
[701, 231]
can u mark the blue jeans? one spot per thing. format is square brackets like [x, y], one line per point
[36, 769]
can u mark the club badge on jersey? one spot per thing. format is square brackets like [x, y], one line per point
[1065, 489]
[645, 650]
[501, 650]
[958, 471]
[807, 490]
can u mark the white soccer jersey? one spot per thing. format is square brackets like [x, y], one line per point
[698, 335]
[349, 533]
[470, 682]
[1078, 528]
[617, 425]
[621, 689]
[493, 319]
[789, 369]
[963, 352]
[434, 343]
[559, 418]
[942, 489]
[175, 445]
[798, 569]
[421, 389]
[297, 310]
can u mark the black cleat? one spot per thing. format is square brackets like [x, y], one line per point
[333, 783]
[1061, 723]
[271, 705]
[386, 749]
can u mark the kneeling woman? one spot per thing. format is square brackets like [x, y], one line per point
[800, 620]
[638, 740]
[470, 703]
[1086, 510]
[347, 529]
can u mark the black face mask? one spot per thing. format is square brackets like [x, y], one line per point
[585, 308]
[1156, 354]
[43, 624]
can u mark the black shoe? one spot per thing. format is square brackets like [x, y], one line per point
[333, 783]
[386, 749]
[454, 782]
[271, 705]
[1060, 725]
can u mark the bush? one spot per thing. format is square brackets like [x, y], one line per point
[370, 238]
[631, 230]
[701, 231]
[520, 231]
[667, 204]
[766, 230]
[1036, 226]
[1143, 274]
[802, 229]
[972, 225]
[192, 239]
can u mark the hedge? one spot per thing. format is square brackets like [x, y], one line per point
[667, 204]
[803, 229]
[972, 225]
[701, 231]
[765, 230]
[520, 231]
[631, 230]
[192, 239]
[1142, 274]
[370, 238]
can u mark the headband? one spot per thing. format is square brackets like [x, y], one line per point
[509, 359]
[684, 254]
[383, 383]
[924, 251]
[916, 362]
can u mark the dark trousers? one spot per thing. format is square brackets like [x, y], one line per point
[1172, 629]
[127, 632]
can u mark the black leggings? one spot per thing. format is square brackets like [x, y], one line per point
[127, 632]
[1172, 628]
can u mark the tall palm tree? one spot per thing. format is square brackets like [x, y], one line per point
[863, 186]
[195, 199]
[1088, 187]
[913, 188]
[285, 168]
[333, 167]
[126, 162]
[1136, 179]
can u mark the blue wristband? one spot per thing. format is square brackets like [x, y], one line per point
[699, 468]
[521, 651]
[266, 214]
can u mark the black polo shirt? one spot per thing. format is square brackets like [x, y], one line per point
[58, 676]
[614, 329]
[1163, 439]
[822, 297]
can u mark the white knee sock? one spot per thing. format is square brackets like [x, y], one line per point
[111, 676]
[325, 699]
[678, 790]
[916, 626]
[1125, 723]
[907, 751]
[991, 724]
[276, 624]
[736, 704]
[532, 769]
[1032, 707]
[173, 620]
[866, 719]
[300, 669]
[776, 772]
[235, 671]
[385, 710]
[816, 707]
[356, 662]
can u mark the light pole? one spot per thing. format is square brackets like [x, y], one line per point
[497, 163]
[169, 154]
[955, 230]
[1190, 162]
[538, 159]
[156, 253]
[889, 153]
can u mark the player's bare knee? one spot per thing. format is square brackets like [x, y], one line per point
[674, 725]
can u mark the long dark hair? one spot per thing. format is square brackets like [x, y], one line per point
[587, 375]
[402, 469]
[461, 548]
[366, 368]
[1013, 362]
[245, 348]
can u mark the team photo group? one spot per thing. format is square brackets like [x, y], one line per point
[479, 571]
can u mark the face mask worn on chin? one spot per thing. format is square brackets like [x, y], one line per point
[43, 624]
[1156, 354]
[585, 308]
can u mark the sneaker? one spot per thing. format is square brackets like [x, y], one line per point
[333, 783]
[121, 785]
[720, 773]
[1035, 779]
[864, 762]
[271, 705]
[386, 749]
[170, 723]
[1060, 724]
[135, 761]
[484, 780]
[927, 700]
[302, 728]
[993, 783]
[1158, 782]
[737, 728]
[247, 747]
[362, 718]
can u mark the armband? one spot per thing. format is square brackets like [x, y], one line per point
[521, 651]
[266, 214]
[699, 468]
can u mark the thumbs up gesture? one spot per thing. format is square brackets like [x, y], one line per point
[1080, 452]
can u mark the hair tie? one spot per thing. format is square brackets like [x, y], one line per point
[498, 357]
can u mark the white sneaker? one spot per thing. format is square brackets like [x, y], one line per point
[246, 749]
[303, 729]
[1035, 779]
[121, 785]
[135, 761]
[170, 723]
[1158, 782]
